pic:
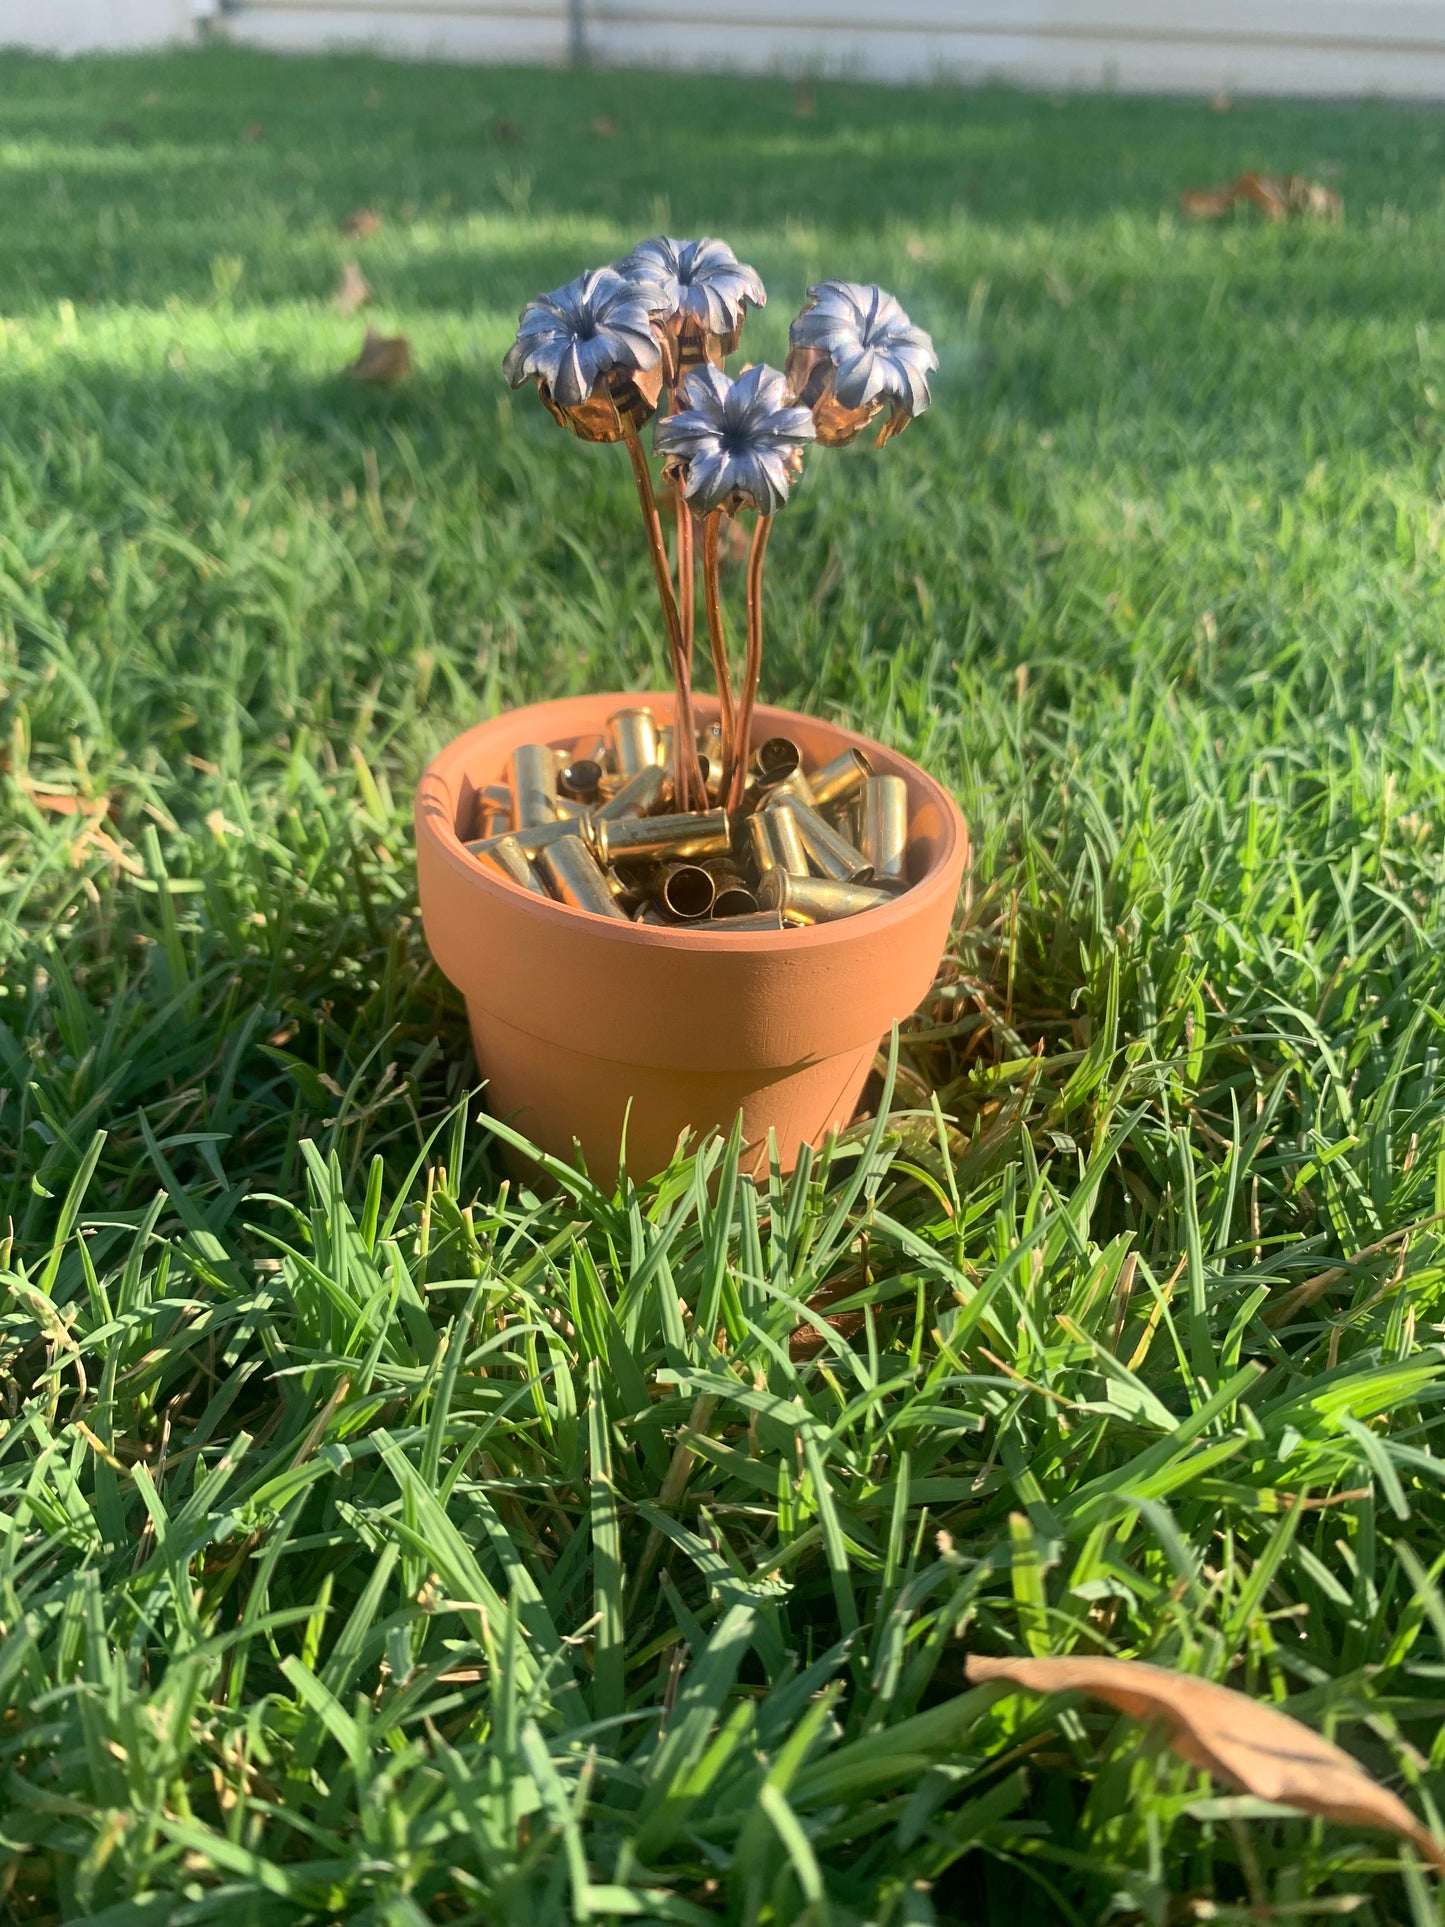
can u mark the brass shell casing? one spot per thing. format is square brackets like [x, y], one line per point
[817, 899]
[735, 900]
[796, 788]
[711, 777]
[774, 842]
[505, 853]
[828, 852]
[843, 777]
[755, 920]
[634, 740]
[688, 892]
[776, 759]
[637, 838]
[580, 779]
[638, 795]
[885, 826]
[664, 746]
[537, 837]
[533, 786]
[572, 875]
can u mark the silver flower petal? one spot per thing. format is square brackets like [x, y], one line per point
[737, 444]
[700, 288]
[595, 327]
[853, 351]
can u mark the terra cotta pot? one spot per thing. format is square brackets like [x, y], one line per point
[583, 1024]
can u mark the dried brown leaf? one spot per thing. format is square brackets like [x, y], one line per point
[353, 290]
[363, 223]
[1205, 203]
[1250, 1747]
[1311, 197]
[1275, 199]
[67, 803]
[382, 358]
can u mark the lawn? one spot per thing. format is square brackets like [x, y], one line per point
[384, 1542]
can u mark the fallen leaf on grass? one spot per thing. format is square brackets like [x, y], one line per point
[603, 125]
[1276, 199]
[67, 803]
[363, 223]
[353, 290]
[382, 358]
[1251, 1747]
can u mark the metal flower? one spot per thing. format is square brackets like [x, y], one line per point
[703, 291]
[593, 352]
[852, 352]
[737, 444]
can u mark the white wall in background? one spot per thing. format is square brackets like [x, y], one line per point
[1191, 46]
[81, 26]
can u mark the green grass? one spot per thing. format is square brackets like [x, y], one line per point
[381, 1542]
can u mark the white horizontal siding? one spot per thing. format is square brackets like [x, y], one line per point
[439, 29]
[77, 26]
[1392, 47]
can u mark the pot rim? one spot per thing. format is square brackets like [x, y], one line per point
[437, 821]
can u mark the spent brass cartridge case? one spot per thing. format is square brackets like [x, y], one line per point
[634, 739]
[774, 843]
[634, 839]
[843, 777]
[688, 892]
[664, 746]
[737, 900]
[711, 778]
[754, 920]
[885, 826]
[816, 899]
[829, 852]
[571, 874]
[505, 853]
[638, 795]
[796, 788]
[776, 758]
[537, 836]
[569, 810]
[534, 786]
[580, 780]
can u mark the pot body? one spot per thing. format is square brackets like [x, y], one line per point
[586, 1028]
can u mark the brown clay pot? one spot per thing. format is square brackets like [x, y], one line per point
[582, 1024]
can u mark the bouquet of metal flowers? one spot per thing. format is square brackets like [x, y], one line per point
[672, 824]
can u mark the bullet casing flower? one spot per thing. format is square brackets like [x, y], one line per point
[701, 294]
[594, 354]
[853, 352]
[737, 444]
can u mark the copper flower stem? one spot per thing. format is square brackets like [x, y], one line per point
[712, 598]
[753, 670]
[688, 786]
[686, 594]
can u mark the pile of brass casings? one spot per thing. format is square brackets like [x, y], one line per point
[592, 826]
